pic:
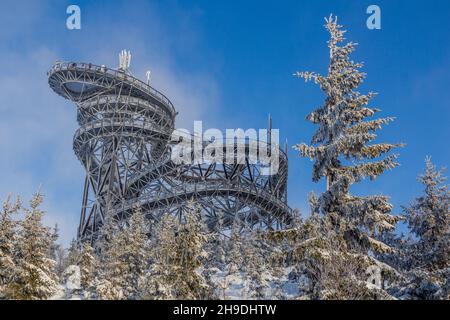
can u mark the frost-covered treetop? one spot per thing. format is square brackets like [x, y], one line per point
[342, 147]
[429, 217]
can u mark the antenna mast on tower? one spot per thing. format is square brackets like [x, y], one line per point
[124, 60]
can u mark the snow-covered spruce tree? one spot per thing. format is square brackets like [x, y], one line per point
[177, 257]
[73, 253]
[34, 277]
[87, 262]
[256, 269]
[398, 258]
[164, 267]
[267, 259]
[427, 259]
[8, 238]
[289, 248]
[343, 153]
[61, 261]
[124, 258]
[233, 260]
[276, 263]
[57, 253]
[135, 253]
[107, 285]
[80, 285]
[214, 265]
[278, 280]
[428, 219]
[54, 239]
[192, 240]
[217, 245]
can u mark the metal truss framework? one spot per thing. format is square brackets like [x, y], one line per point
[124, 143]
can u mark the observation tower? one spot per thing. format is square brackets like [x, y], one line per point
[124, 143]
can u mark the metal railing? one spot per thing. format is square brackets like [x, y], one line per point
[117, 74]
[243, 189]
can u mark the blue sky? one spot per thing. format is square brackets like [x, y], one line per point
[228, 63]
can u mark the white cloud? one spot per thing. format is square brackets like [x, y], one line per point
[36, 126]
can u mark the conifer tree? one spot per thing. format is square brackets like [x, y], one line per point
[427, 259]
[233, 259]
[134, 245]
[8, 239]
[276, 267]
[34, 276]
[192, 239]
[428, 219]
[87, 262]
[343, 153]
[61, 261]
[218, 244]
[73, 253]
[177, 257]
[215, 263]
[54, 235]
[124, 258]
[256, 270]
[162, 277]
[57, 253]
[108, 285]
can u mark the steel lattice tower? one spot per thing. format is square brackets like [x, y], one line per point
[124, 144]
